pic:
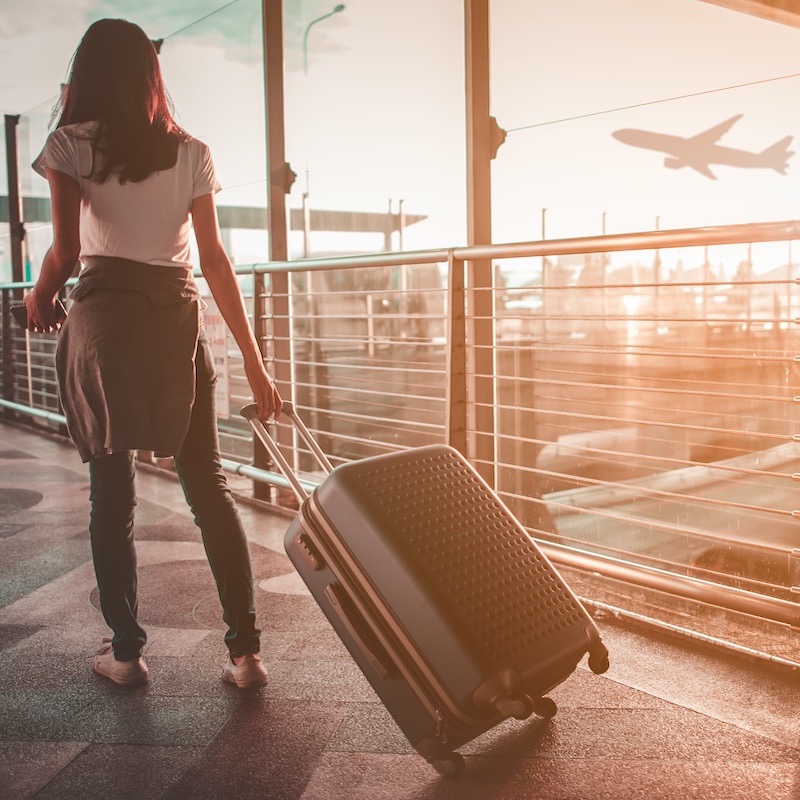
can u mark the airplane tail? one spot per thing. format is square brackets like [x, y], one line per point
[777, 155]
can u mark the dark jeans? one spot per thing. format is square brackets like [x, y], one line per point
[113, 499]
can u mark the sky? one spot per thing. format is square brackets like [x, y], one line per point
[379, 114]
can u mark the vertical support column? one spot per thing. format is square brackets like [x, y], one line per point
[482, 142]
[279, 182]
[9, 383]
[15, 223]
[17, 241]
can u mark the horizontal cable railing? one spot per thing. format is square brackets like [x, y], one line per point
[636, 411]
[614, 403]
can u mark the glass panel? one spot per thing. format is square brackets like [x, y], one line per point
[626, 115]
[213, 69]
[375, 115]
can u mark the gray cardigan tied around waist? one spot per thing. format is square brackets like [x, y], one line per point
[125, 357]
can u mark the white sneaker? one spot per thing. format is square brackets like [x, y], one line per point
[124, 673]
[250, 674]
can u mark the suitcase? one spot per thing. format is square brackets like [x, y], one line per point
[447, 605]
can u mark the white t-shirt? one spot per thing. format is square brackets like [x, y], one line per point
[148, 221]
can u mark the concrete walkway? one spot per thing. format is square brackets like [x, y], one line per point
[669, 720]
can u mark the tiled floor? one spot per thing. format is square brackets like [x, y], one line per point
[669, 720]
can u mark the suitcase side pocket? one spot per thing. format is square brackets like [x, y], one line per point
[358, 629]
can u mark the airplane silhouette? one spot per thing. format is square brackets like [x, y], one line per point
[699, 152]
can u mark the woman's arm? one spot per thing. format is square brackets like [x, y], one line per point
[217, 270]
[60, 259]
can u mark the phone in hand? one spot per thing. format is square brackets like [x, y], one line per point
[20, 314]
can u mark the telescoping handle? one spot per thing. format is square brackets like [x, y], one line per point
[250, 413]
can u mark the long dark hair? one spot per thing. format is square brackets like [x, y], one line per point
[115, 80]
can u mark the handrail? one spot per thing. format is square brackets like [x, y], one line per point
[41, 413]
[229, 465]
[647, 240]
[784, 612]
[745, 233]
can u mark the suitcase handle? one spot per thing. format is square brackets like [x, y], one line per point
[250, 413]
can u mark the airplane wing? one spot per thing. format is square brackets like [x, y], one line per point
[710, 136]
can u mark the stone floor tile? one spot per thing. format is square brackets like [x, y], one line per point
[409, 777]
[25, 767]
[42, 715]
[269, 749]
[121, 772]
[13, 635]
[329, 681]
[146, 719]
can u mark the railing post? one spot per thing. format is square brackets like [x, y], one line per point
[261, 459]
[15, 224]
[456, 400]
[279, 182]
[16, 228]
[9, 388]
[483, 138]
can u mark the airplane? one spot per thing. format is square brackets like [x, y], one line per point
[699, 152]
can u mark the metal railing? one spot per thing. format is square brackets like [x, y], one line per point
[636, 411]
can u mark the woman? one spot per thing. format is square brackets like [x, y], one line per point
[134, 366]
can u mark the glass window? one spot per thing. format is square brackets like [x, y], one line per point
[631, 115]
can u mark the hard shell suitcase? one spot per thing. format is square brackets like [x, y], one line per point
[447, 605]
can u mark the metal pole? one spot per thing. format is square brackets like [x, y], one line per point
[336, 10]
[481, 141]
[279, 182]
[545, 279]
[401, 225]
[749, 286]
[389, 228]
[657, 281]
[456, 405]
[15, 223]
[405, 303]
[789, 274]
[604, 273]
[17, 239]
[306, 227]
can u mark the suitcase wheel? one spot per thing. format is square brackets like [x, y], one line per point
[517, 707]
[598, 659]
[545, 707]
[451, 765]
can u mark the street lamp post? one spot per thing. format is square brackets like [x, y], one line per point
[336, 9]
[306, 213]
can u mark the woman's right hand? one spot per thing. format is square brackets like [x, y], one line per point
[41, 312]
[265, 393]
